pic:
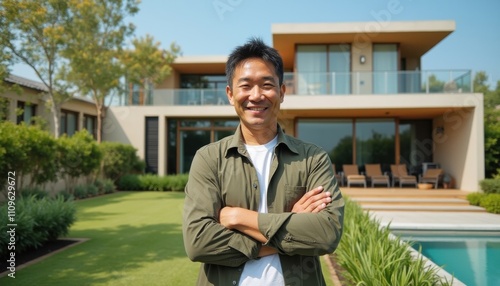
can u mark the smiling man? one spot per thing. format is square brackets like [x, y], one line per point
[261, 206]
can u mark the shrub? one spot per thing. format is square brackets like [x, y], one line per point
[92, 190]
[80, 192]
[491, 202]
[129, 183]
[79, 155]
[490, 186]
[119, 160]
[38, 221]
[475, 198]
[105, 186]
[36, 192]
[65, 196]
[178, 182]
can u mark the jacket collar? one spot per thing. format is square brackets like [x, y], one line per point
[238, 143]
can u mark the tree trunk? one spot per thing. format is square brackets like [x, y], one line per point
[56, 115]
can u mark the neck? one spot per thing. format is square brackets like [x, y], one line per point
[258, 136]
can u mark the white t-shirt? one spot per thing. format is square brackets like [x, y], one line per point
[266, 270]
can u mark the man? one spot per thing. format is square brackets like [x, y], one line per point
[248, 214]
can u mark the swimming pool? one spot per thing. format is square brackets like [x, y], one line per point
[473, 258]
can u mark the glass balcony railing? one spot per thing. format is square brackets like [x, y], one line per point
[301, 84]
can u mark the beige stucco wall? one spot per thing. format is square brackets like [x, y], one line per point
[460, 152]
[460, 149]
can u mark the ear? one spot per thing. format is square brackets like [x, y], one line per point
[229, 94]
[282, 92]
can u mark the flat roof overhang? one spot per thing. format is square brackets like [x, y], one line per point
[200, 65]
[415, 38]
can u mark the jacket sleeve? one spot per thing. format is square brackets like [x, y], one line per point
[205, 239]
[309, 234]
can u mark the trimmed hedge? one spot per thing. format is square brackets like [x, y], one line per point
[175, 183]
[491, 202]
[38, 221]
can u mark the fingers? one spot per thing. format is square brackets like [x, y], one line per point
[313, 201]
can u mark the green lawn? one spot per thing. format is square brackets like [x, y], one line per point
[135, 238]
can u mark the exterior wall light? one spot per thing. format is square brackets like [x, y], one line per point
[362, 59]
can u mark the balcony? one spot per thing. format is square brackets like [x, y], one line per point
[333, 84]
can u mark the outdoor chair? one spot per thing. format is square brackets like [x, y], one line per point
[431, 176]
[351, 173]
[338, 176]
[399, 174]
[375, 176]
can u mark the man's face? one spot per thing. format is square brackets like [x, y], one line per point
[256, 94]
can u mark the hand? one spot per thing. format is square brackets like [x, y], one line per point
[228, 216]
[312, 201]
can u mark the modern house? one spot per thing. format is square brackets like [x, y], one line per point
[356, 89]
[29, 101]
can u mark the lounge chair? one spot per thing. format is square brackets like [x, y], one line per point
[338, 176]
[374, 174]
[351, 173]
[431, 176]
[399, 174]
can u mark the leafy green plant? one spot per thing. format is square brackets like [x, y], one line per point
[105, 186]
[490, 186]
[119, 160]
[491, 202]
[79, 155]
[475, 198]
[36, 192]
[370, 255]
[129, 183]
[81, 192]
[38, 221]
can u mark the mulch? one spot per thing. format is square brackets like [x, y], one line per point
[33, 254]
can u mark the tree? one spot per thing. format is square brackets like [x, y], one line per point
[147, 64]
[491, 124]
[95, 39]
[32, 31]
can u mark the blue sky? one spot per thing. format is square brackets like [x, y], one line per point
[215, 27]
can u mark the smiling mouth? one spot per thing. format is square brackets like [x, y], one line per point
[257, 108]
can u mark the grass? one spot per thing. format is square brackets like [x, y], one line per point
[135, 238]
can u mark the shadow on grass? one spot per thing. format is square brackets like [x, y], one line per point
[125, 251]
[110, 255]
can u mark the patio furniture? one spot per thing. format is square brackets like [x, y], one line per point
[374, 174]
[351, 173]
[400, 174]
[431, 176]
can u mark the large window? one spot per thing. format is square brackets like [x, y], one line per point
[416, 143]
[68, 122]
[26, 112]
[323, 69]
[375, 142]
[203, 89]
[90, 123]
[385, 67]
[333, 135]
[186, 136]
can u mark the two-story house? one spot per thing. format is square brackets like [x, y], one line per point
[356, 89]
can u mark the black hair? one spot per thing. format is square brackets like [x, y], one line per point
[254, 48]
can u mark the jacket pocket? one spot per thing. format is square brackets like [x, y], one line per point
[293, 195]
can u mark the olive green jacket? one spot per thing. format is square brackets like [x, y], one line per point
[222, 175]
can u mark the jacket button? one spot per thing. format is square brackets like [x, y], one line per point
[234, 282]
[255, 185]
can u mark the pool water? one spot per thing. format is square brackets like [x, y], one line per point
[474, 261]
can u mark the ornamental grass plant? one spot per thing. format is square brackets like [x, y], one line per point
[371, 255]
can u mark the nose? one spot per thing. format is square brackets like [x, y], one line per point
[255, 93]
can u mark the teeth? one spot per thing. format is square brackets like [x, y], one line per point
[257, 108]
